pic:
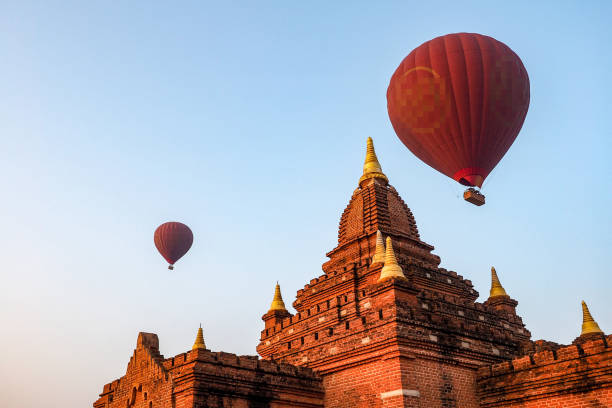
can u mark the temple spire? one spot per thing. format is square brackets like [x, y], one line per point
[379, 253]
[589, 325]
[371, 166]
[496, 288]
[277, 302]
[391, 268]
[199, 341]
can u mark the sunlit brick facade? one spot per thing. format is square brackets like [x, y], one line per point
[417, 340]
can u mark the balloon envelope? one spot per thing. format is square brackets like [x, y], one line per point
[173, 240]
[458, 102]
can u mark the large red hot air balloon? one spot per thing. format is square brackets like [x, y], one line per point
[173, 240]
[458, 102]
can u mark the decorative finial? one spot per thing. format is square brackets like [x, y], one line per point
[277, 302]
[199, 341]
[371, 166]
[379, 253]
[496, 288]
[589, 325]
[391, 268]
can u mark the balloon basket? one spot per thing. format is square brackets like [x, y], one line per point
[471, 195]
[171, 267]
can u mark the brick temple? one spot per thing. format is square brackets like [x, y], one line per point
[383, 326]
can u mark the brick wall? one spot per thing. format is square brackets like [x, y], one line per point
[146, 383]
[444, 385]
[201, 378]
[378, 383]
[577, 376]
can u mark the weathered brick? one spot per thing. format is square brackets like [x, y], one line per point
[422, 341]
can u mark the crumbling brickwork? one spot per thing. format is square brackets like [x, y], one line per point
[146, 383]
[204, 379]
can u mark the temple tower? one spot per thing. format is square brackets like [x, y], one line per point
[383, 326]
[397, 331]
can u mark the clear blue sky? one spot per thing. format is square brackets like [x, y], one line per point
[248, 123]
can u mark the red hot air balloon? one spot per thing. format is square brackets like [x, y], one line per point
[458, 102]
[173, 240]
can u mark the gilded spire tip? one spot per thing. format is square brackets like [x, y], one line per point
[199, 341]
[391, 268]
[589, 325]
[496, 288]
[371, 166]
[277, 301]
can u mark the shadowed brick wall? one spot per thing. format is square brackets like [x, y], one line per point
[576, 376]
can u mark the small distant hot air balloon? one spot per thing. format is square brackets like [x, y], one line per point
[458, 102]
[173, 240]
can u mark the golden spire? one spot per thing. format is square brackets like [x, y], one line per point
[588, 324]
[391, 268]
[371, 166]
[277, 302]
[379, 253]
[496, 288]
[199, 341]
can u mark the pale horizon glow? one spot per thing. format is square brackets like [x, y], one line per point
[248, 123]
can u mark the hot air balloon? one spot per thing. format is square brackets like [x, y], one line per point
[173, 240]
[458, 102]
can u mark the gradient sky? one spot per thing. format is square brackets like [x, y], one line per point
[248, 121]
